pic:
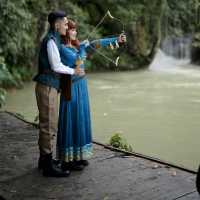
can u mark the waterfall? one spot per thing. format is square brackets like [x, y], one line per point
[177, 47]
[174, 53]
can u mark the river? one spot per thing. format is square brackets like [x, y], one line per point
[157, 111]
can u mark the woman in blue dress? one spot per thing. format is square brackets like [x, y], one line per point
[74, 139]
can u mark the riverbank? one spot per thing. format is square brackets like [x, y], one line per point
[110, 175]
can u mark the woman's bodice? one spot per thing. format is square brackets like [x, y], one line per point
[70, 55]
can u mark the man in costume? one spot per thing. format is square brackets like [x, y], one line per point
[47, 85]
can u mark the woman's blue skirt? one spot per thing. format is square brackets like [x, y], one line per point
[74, 139]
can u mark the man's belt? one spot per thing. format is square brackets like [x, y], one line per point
[51, 72]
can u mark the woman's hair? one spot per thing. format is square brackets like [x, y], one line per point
[66, 38]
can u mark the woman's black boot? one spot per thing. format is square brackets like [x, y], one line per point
[83, 162]
[72, 166]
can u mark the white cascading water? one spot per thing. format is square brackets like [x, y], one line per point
[173, 55]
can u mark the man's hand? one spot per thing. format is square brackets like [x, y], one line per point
[122, 38]
[79, 71]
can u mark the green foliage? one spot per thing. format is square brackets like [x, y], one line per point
[142, 26]
[2, 96]
[24, 22]
[119, 142]
[196, 40]
[81, 17]
[16, 39]
[179, 17]
[6, 78]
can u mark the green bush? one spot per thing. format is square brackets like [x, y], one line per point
[117, 141]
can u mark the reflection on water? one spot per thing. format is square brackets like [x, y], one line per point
[158, 113]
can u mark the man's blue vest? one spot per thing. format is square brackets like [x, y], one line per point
[45, 74]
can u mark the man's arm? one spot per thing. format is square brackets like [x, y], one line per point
[55, 61]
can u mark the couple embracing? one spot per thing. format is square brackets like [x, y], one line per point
[61, 69]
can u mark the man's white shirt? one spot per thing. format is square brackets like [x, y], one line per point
[55, 60]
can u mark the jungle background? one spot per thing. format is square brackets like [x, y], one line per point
[147, 22]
